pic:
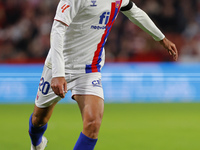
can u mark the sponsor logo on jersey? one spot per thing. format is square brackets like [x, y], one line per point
[93, 3]
[97, 83]
[98, 27]
[95, 66]
[103, 20]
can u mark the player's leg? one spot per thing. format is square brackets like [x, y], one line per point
[44, 105]
[92, 108]
[38, 123]
[41, 116]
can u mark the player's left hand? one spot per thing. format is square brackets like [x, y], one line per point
[170, 47]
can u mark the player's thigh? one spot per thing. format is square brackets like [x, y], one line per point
[45, 95]
[45, 100]
[88, 92]
[91, 107]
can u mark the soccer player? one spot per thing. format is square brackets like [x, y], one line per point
[79, 32]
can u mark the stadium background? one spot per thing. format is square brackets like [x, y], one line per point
[149, 98]
[147, 72]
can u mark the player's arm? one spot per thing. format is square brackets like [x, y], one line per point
[142, 20]
[58, 82]
[66, 11]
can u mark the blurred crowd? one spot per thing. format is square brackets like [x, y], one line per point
[25, 29]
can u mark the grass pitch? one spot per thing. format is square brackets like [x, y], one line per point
[166, 126]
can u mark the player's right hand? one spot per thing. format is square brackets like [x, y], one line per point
[59, 86]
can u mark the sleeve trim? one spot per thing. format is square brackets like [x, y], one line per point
[127, 7]
[62, 22]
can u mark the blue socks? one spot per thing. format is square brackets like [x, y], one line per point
[36, 133]
[85, 143]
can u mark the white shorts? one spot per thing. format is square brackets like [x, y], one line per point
[78, 84]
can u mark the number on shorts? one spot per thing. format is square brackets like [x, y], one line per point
[44, 86]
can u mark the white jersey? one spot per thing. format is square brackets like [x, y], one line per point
[88, 25]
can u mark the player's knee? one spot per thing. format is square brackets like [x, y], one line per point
[39, 121]
[92, 127]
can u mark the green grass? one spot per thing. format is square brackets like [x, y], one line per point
[166, 126]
